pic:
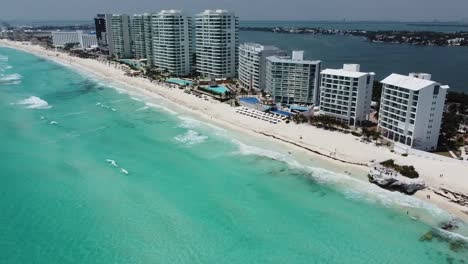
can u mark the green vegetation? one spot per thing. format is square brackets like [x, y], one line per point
[370, 133]
[452, 119]
[328, 123]
[407, 171]
[70, 46]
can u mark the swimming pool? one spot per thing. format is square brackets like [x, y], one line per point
[283, 113]
[219, 89]
[178, 81]
[250, 100]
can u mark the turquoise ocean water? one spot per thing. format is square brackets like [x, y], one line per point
[90, 174]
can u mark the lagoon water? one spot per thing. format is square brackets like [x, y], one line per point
[90, 174]
[446, 64]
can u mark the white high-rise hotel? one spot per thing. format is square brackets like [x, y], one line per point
[172, 42]
[293, 80]
[345, 94]
[138, 37]
[120, 27]
[216, 43]
[411, 110]
[252, 65]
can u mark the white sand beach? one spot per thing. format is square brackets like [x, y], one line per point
[437, 171]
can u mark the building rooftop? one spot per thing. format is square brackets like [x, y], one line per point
[256, 47]
[281, 59]
[409, 82]
[217, 11]
[345, 73]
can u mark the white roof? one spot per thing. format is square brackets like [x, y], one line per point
[341, 72]
[407, 82]
[289, 60]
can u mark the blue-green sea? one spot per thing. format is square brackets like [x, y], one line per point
[92, 174]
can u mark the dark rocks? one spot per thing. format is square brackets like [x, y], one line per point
[393, 181]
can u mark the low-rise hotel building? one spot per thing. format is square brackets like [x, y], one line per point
[293, 80]
[217, 40]
[83, 41]
[411, 110]
[252, 65]
[346, 94]
[172, 42]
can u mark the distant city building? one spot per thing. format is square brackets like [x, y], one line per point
[217, 40]
[345, 94]
[102, 23]
[172, 42]
[252, 64]
[292, 80]
[82, 41]
[411, 110]
[138, 37]
[121, 41]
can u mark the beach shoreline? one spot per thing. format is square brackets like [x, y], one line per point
[343, 150]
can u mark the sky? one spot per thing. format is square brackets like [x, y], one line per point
[311, 10]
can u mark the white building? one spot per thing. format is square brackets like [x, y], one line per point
[172, 42]
[217, 40]
[82, 40]
[121, 41]
[411, 110]
[138, 37]
[252, 64]
[148, 29]
[293, 80]
[346, 94]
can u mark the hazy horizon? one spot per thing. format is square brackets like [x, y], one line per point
[261, 10]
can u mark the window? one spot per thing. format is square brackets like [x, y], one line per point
[436, 90]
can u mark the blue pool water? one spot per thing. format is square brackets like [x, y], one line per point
[219, 89]
[250, 100]
[178, 81]
[283, 113]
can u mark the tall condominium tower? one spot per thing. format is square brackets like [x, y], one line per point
[172, 42]
[216, 43]
[411, 109]
[120, 28]
[252, 64]
[293, 80]
[345, 94]
[104, 32]
[148, 36]
[138, 37]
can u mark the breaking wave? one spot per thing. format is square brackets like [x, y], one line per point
[352, 187]
[162, 108]
[188, 122]
[142, 108]
[34, 102]
[14, 78]
[191, 138]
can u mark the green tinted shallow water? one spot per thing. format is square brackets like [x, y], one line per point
[191, 195]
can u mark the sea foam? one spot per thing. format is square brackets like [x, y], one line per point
[352, 187]
[34, 102]
[14, 78]
[191, 138]
[162, 108]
